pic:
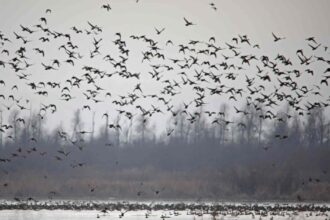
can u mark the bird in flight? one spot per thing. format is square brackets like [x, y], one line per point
[159, 31]
[188, 23]
[107, 7]
[276, 38]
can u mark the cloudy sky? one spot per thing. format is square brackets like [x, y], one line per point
[295, 20]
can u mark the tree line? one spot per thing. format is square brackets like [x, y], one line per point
[249, 157]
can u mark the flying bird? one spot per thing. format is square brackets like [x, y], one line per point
[188, 23]
[159, 31]
[276, 38]
[107, 7]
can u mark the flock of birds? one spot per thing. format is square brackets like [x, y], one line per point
[207, 68]
[231, 70]
[155, 210]
[176, 210]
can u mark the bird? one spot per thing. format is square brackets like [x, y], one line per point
[188, 23]
[324, 81]
[314, 47]
[276, 38]
[44, 20]
[169, 132]
[48, 67]
[158, 32]
[106, 6]
[311, 39]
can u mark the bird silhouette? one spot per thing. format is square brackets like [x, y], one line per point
[276, 38]
[159, 31]
[107, 7]
[188, 23]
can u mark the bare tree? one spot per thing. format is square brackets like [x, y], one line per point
[77, 125]
[311, 129]
[222, 126]
[295, 131]
[321, 125]
[1, 141]
[93, 126]
[13, 119]
[118, 130]
[105, 130]
[261, 122]
[141, 128]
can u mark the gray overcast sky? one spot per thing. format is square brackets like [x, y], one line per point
[294, 19]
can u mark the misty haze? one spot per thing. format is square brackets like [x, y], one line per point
[164, 109]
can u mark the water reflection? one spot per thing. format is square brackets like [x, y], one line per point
[136, 215]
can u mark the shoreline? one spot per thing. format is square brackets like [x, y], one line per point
[162, 205]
